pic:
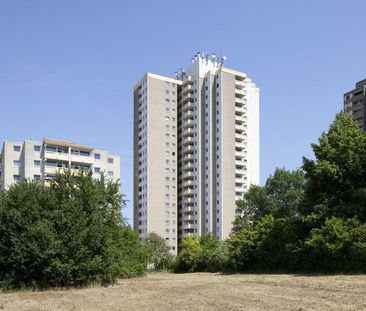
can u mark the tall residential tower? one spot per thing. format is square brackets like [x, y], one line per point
[196, 146]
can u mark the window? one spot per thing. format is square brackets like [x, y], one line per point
[16, 149]
[110, 173]
[16, 163]
[80, 152]
[110, 160]
[97, 170]
[37, 177]
[16, 177]
[37, 148]
[37, 163]
[97, 156]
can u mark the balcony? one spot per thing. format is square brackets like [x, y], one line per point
[188, 89]
[188, 81]
[188, 132]
[240, 93]
[188, 115]
[51, 170]
[189, 167]
[188, 150]
[239, 137]
[187, 97]
[188, 226]
[188, 218]
[58, 156]
[188, 106]
[188, 141]
[239, 83]
[187, 201]
[188, 209]
[188, 158]
[188, 194]
[188, 183]
[188, 124]
[239, 111]
[82, 159]
[188, 175]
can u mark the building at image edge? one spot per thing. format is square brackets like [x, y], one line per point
[40, 160]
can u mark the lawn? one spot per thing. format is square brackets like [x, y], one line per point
[203, 291]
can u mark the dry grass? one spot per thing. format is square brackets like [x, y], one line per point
[203, 291]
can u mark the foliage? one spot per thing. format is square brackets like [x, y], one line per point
[254, 205]
[159, 255]
[280, 197]
[202, 254]
[285, 190]
[338, 246]
[69, 234]
[336, 179]
[307, 220]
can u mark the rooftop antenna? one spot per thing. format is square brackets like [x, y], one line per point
[223, 59]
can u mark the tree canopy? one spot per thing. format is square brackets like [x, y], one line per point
[68, 234]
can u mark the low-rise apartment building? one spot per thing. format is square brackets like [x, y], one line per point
[40, 160]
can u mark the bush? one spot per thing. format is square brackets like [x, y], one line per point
[204, 254]
[338, 246]
[69, 234]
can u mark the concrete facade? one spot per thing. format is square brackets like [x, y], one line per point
[355, 104]
[40, 160]
[216, 151]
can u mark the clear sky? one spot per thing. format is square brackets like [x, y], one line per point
[67, 68]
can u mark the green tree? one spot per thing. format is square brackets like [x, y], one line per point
[158, 250]
[338, 246]
[189, 255]
[254, 205]
[69, 234]
[336, 179]
[285, 191]
[280, 197]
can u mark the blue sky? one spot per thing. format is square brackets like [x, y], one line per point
[67, 68]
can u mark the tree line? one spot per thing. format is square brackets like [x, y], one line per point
[72, 233]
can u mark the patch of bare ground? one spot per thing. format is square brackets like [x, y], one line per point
[203, 291]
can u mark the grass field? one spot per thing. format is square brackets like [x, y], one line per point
[203, 291]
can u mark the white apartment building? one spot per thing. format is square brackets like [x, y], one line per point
[196, 144]
[40, 160]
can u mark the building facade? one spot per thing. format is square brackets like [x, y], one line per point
[355, 104]
[196, 146]
[40, 160]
